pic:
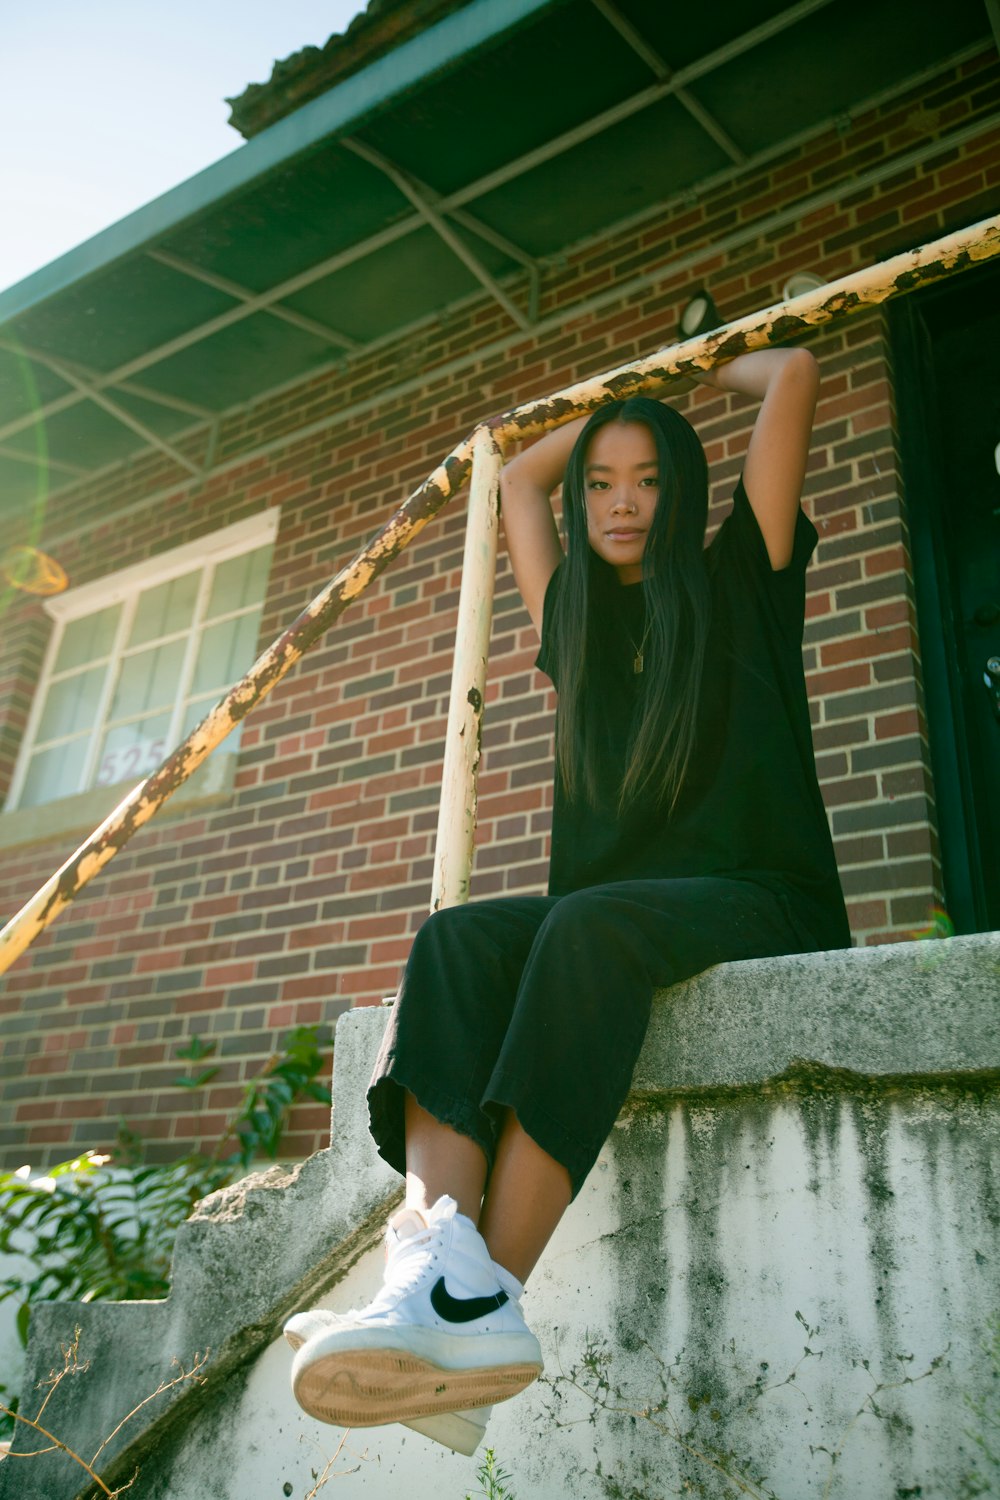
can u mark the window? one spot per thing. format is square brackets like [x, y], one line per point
[137, 659]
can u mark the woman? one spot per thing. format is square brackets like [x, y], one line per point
[688, 829]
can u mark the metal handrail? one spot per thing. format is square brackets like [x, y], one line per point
[481, 452]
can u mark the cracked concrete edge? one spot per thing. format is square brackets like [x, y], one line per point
[250, 1255]
[902, 1010]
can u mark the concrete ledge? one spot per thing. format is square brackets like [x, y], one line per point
[281, 1239]
[902, 1010]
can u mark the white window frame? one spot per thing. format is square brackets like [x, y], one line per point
[124, 587]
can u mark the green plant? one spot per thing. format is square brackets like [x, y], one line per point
[196, 1049]
[98, 1227]
[9, 1404]
[492, 1478]
[73, 1365]
[102, 1225]
[256, 1126]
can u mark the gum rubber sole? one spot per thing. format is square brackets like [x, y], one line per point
[372, 1387]
[461, 1431]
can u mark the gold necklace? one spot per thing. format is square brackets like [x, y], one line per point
[637, 659]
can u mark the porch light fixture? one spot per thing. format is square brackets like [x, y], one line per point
[800, 283]
[700, 315]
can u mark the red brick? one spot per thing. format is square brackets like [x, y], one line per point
[223, 975]
[889, 560]
[866, 914]
[817, 605]
[825, 684]
[48, 1135]
[894, 613]
[894, 726]
[865, 647]
[854, 789]
[29, 1111]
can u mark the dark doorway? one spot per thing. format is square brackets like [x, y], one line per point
[946, 341]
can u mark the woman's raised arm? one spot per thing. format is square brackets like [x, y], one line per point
[526, 485]
[787, 381]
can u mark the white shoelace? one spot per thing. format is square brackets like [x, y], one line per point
[407, 1262]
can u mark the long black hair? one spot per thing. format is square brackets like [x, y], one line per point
[676, 595]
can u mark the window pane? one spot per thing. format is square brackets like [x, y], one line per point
[206, 618]
[133, 750]
[225, 652]
[165, 609]
[71, 705]
[148, 680]
[88, 639]
[239, 581]
[53, 773]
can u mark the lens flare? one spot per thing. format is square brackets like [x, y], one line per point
[939, 926]
[25, 516]
[32, 571]
[935, 938]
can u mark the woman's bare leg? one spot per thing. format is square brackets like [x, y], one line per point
[441, 1160]
[528, 1194]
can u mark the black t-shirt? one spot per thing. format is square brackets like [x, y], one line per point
[750, 807]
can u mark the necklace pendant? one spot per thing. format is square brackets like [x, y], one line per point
[637, 664]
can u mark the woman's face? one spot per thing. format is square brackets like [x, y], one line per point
[622, 486]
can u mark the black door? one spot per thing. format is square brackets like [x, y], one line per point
[947, 347]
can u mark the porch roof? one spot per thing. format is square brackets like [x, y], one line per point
[457, 163]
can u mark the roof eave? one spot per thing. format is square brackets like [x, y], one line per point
[381, 27]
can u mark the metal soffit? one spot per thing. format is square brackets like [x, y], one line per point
[457, 165]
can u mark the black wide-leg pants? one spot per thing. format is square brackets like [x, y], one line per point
[540, 1004]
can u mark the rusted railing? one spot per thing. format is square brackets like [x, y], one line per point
[482, 453]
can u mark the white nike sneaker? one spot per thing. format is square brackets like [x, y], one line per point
[461, 1431]
[443, 1335]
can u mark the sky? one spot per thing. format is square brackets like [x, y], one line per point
[106, 104]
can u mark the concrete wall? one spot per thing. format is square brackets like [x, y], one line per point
[777, 1280]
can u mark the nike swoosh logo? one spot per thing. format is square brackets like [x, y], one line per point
[463, 1309]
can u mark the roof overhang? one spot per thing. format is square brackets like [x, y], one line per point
[459, 164]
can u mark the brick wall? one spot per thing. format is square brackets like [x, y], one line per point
[299, 898]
